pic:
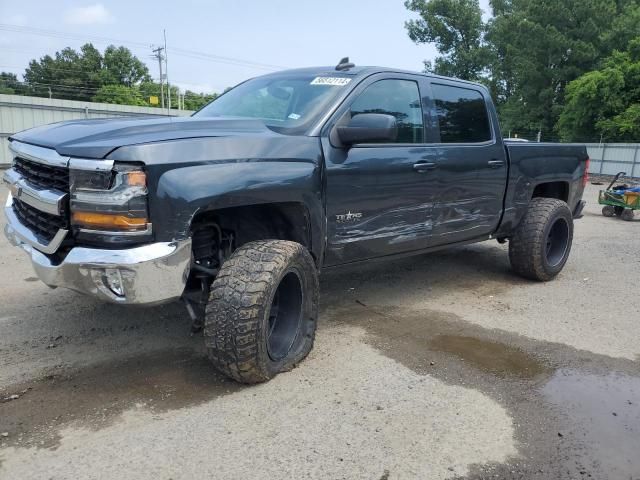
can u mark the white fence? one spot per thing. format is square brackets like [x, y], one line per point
[20, 112]
[611, 158]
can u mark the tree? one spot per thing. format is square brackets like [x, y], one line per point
[121, 67]
[149, 89]
[195, 101]
[528, 52]
[605, 103]
[457, 30]
[119, 94]
[8, 83]
[79, 75]
[542, 45]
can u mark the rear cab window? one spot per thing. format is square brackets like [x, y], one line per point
[461, 114]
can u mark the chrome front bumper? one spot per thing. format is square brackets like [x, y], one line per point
[147, 275]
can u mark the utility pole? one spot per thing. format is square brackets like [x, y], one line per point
[166, 70]
[158, 55]
[50, 94]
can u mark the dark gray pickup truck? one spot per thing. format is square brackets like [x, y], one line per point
[236, 209]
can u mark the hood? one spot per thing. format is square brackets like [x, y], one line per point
[96, 138]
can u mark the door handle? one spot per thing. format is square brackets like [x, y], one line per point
[495, 163]
[422, 167]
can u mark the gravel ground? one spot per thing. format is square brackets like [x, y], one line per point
[437, 366]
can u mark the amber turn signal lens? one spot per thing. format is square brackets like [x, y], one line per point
[108, 221]
[136, 178]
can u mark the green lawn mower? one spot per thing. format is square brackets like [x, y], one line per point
[620, 200]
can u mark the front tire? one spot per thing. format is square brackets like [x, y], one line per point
[262, 312]
[541, 244]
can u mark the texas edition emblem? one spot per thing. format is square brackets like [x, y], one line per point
[348, 217]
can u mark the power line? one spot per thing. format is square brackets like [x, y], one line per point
[178, 51]
[66, 90]
[79, 70]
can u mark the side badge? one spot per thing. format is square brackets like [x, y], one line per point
[348, 217]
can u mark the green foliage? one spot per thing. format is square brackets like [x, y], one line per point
[8, 83]
[119, 94]
[195, 101]
[605, 103]
[542, 45]
[457, 30]
[121, 67]
[79, 75]
[149, 89]
[117, 76]
[528, 53]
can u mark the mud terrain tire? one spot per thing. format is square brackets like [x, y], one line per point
[540, 247]
[262, 312]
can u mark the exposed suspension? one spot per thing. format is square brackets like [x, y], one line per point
[210, 248]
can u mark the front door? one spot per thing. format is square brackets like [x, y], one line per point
[380, 196]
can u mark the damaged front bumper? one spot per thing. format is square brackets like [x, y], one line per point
[146, 275]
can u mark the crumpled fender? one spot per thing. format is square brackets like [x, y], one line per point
[187, 177]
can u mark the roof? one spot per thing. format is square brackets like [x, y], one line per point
[364, 71]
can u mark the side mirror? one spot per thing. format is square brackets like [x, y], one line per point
[368, 128]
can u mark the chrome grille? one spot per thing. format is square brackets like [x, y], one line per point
[42, 175]
[43, 225]
[37, 210]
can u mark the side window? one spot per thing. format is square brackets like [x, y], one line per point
[462, 114]
[400, 98]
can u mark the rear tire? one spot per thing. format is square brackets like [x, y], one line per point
[541, 244]
[609, 211]
[262, 311]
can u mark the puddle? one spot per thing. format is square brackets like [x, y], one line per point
[416, 338]
[95, 395]
[492, 357]
[604, 411]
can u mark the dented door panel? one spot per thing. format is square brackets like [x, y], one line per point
[377, 204]
[470, 192]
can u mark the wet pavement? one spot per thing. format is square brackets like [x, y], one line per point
[441, 366]
[98, 394]
[577, 422]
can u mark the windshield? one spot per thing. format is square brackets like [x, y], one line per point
[288, 104]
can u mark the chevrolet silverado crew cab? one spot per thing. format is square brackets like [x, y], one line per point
[236, 209]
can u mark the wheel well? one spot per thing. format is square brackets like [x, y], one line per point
[278, 221]
[216, 234]
[559, 190]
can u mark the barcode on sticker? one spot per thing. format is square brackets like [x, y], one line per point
[332, 81]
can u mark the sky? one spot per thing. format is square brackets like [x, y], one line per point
[240, 38]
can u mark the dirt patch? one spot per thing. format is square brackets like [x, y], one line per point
[94, 396]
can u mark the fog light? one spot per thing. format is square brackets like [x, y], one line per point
[114, 281]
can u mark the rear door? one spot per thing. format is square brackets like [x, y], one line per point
[378, 202]
[471, 163]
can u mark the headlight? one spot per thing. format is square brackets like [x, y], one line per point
[108, 198]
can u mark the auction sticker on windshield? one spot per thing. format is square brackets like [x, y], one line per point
[332, 81]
